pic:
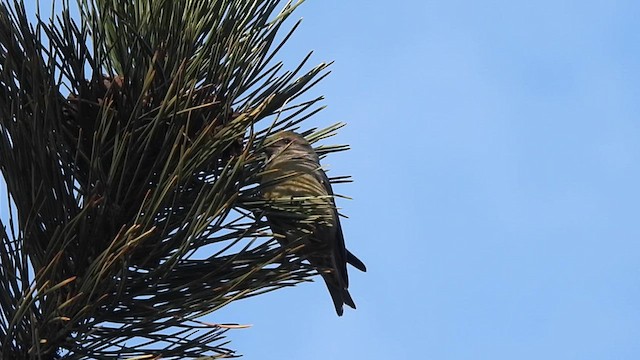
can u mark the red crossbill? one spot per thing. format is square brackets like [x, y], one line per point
[302, 209]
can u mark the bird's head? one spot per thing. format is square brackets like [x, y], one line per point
[288, 144]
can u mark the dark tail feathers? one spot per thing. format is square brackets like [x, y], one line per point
[339, 296]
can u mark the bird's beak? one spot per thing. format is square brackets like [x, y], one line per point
[270, 149]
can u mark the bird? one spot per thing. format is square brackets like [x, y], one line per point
[303, 209]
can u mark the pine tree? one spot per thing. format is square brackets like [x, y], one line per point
[131, 144]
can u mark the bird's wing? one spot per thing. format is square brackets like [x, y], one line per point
[348, 256]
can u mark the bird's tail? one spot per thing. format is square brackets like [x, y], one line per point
[333, 270]
[339, 294]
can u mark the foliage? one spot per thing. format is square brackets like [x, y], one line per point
[130, 144]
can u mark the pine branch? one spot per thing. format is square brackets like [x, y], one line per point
[131, 145]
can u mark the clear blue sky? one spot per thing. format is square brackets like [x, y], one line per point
[496, 158]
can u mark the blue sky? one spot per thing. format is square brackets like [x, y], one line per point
[496, 153]
[496, 150]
